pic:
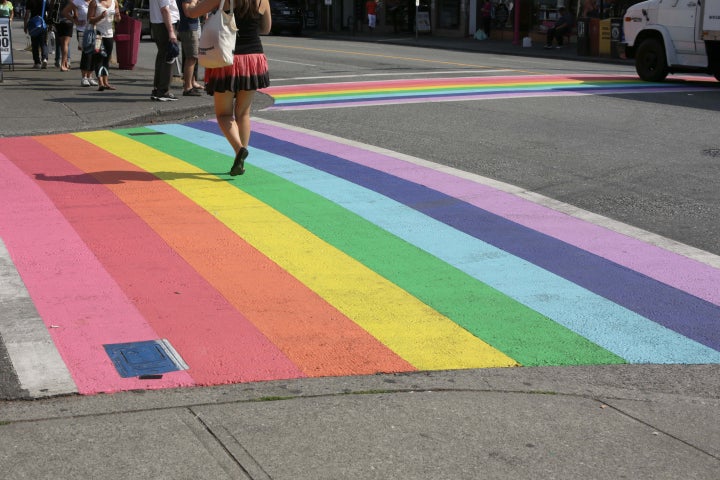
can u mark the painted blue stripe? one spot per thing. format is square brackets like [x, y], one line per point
[383, 95]
[478, 92]
[684, 313]
[636, 339]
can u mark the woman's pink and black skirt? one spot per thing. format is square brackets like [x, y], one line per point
[248, 72]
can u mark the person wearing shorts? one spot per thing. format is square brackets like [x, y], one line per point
[77, 11]
[189, 37]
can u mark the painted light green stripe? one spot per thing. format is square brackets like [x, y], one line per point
[516, 330]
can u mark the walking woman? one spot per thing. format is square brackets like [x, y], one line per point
[233, 87]
[101, 13]
[77, 11]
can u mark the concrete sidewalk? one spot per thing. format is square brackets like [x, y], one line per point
[645, 422]
[630, 421]
[36, 102]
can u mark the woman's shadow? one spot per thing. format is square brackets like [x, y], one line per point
[115, 177]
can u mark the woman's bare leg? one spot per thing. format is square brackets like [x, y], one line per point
[225, 114]
[243, 101]
[65, 48]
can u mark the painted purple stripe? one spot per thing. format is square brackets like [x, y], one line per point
[396, 100]
[479, 92]
[680, 272]
[485, 96]
[672, 308]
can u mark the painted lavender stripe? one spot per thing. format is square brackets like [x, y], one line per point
[672, 308]
[689, 275]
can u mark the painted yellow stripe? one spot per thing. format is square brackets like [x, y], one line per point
[349, 91]
[419, 334]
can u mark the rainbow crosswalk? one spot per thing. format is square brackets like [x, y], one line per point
[327, 258]
[355, 94]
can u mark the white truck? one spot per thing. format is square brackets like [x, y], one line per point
[673, 36]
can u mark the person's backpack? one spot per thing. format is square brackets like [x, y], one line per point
[36, 25]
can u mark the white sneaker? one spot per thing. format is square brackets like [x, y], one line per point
[93, 82]
[85, 82]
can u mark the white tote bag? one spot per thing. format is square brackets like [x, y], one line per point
[217, 39]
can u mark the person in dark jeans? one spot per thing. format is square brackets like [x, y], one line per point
[38, 42]
[562, 27]
[164, 16]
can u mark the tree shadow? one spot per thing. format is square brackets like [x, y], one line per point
[116, 177]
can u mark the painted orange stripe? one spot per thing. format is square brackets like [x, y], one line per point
[403, 84]
[172, 297]
[319, 339]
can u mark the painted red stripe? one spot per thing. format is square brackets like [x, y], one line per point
[216, 341]
[81, 305]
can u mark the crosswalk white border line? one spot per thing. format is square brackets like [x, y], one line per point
[40, 369]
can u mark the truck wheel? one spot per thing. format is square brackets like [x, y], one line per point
[650, 62]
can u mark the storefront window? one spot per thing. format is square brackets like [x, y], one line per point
[448, 12]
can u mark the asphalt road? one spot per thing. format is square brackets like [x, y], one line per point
[649, 160]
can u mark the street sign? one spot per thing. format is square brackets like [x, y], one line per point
[6, 57]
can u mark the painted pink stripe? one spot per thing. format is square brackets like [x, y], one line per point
[79, 302]
[218, 343]
[670, 268]
[439, 98]
[423, 82]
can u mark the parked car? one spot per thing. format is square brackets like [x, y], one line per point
[287, 15]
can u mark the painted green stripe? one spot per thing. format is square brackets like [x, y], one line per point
[525, 335]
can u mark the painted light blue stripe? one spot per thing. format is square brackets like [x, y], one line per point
[603, 322]
[449, 92]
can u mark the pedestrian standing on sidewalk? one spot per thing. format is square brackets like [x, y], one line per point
[486, 16]
[101, 13]
[63, 34]
[371, 8]
[77, 11]
[39, 42]
[7, 10]
[189, 35]
[164, 15]
[233, 87]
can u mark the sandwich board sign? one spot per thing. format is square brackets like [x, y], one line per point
[6, 57]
